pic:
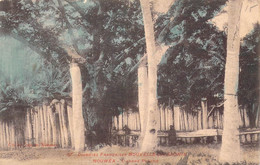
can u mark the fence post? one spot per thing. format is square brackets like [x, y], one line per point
[177, 117]
[199, 119]
[204, 107]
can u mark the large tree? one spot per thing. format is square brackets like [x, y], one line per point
[230, 148]
[95, 33]
[150, 138]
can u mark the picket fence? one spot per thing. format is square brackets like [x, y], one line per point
[51, 125]
[194, 125]
[181, 119]
[42, 126]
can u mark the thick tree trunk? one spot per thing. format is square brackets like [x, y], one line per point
[150, 137]
[258, 53]
[142, 98]
[78, 120]
[230, 149]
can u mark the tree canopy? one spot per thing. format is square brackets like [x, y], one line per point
[108, 37]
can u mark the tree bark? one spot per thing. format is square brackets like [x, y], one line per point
[78, 120]
[230, 148]
[142, 98]
[258, 53]
[150, 138]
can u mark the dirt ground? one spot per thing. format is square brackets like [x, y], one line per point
[182, 154]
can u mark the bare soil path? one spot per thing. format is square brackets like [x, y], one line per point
[184, 154]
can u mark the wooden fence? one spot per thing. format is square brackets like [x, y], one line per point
[200, 125]
[43, 126]
[182, 120]
[52, 126]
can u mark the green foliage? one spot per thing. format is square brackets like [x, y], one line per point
[193, 66]
[249, 68]
[42, 84]
[110, 36]
[107, 34]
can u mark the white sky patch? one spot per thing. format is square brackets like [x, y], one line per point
[162, 6]
[249, 17]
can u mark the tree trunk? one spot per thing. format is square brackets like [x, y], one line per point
[230, 148]
[142, 98]
[258, 53]
[78, 120]
[150, 138]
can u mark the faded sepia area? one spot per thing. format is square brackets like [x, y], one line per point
[129, 82]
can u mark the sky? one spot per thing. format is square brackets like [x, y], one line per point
[249, 16]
